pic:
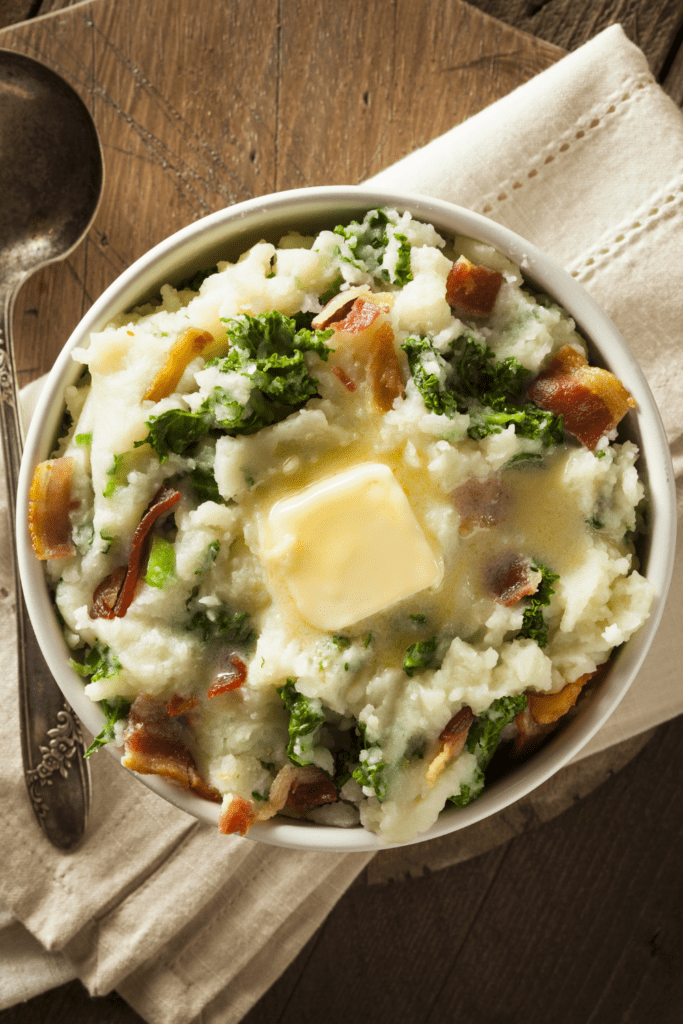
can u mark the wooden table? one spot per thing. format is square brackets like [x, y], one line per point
[577, 915]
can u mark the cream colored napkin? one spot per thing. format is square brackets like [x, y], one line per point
[586, 160]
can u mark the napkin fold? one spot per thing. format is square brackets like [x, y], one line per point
[586, 161]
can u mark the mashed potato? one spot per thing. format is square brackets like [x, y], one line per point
[324, 547]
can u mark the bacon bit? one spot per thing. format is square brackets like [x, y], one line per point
[313, 793]
[546, 708]
[510, 578]
[226, 681]
[114, 595]
[299, 788]
[237, 815]
[342, 376]
[452, 739]
[107, 594]
[472, 289]
[591, 400]
[156, 745]
[530, 734]
[361, 316]
[186, 348]
[384, 369]
[49, 503]
[340, 306]
[480, 503]
[178, 705]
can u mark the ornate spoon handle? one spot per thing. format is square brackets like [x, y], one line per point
[57, 776]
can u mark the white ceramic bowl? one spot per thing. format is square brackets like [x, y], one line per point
[225, 235]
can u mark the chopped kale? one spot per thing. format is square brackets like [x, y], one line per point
[161, 564]
[369, 242]
[210, 556]
[204, 483]
[99, 663]
[419, 617]
[341, 642]
[176, 430]
[482, 740]
[332, 290]
[534, 626]
[108, 541]
[117, 475]
[371, 769]
[469, 379]
[116, 709]
[221, 623]
[422, 655]
[269, 350]
[306, 716]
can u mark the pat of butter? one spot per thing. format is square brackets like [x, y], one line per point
[349, 546]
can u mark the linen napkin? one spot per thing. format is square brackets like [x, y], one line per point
[586, 161]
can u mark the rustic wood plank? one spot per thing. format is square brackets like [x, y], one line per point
[386, 79]
[14, 11]
[175, 146]
[652, 24]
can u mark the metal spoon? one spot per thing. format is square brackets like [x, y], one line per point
[51, 175]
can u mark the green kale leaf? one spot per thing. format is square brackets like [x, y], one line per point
[482, 740]
[269, 350]
[371, 770]
[116, 709]
[161, 563]
[99, 663]
[369, 241]
[422, 655]
[469, 379]
[306, 716]
[222, 624]
[534, 626]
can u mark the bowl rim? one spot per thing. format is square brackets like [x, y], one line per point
[290, 209]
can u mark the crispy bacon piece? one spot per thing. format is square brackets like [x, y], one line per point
[226, 681]
[297, 788]
[384, 369]
[189, 345]
[313, 792]
[472, 289]
[591, 400]
[362, 315]
[340, 305]
[452, 739]
[510, 577]
[370, 337]
[344, 378]
[543, 713]
[114, 595]
[530, 734]
[546, 708]
[49, 504]
[157, 744]
[237, 815]
[178, 705]
[481, 503]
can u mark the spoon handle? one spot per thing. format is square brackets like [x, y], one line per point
[56, 774]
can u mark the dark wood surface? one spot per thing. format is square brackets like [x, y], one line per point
[576, 920]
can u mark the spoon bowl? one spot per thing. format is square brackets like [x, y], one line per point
[51, 175]
[51, 169]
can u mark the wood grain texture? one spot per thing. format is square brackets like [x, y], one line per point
[14, 11]
[186, 131]
[651, 24]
